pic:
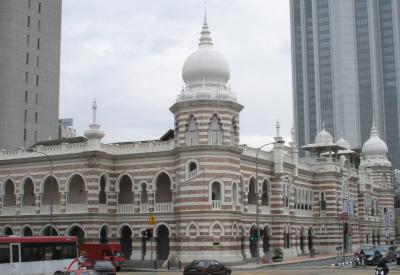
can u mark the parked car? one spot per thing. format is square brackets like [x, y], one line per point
[104, 268]
[388, 251]
[77, 272]
[398, 256]
[206, 267]
[372, 257]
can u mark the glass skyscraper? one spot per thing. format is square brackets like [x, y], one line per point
[346, 70]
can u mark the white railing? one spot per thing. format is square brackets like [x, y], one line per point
[114, 149]
[216, 204]
[144, 208]
[193, 173]
[28, 210]
[103, 208]
[138, 147]
[251, 208]
[249, 151]
[126, 208]
[45, 209]
[77, 208]
[9, 211]
[163, 207]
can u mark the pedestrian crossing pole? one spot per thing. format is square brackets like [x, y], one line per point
[151, 222]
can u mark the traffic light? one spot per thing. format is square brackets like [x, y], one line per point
[144, 234]
[346, 228]
[253, 237]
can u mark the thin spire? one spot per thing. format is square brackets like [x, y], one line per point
[293, 135]
[374, 130]
[323, 125]
[205, 38]
[205, 12]
[94, 107]
[278, 126]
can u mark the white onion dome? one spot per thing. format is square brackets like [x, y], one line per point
[324, 137]
[374, 146]
[343, 143]
[206, 65]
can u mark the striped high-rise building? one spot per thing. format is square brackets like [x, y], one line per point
[30, 41]
[201, 186]
[346, 70]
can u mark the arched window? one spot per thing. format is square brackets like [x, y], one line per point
[234, 132]
[286, 193]
[216, 195]
[10, 199]
[265, 193]
[252, 196]
[215, 131]
[192, 132]
[192, 169]
[163, 196]
[102, 191]
[286, 236]
[322, 201]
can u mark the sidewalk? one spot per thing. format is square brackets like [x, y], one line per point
[299, 259]
[254, 265]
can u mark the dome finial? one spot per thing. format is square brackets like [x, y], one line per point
[205, 38]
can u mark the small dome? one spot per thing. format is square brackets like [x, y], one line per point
[323, 137]
[342, 142]
[374, 146]
[206, 65]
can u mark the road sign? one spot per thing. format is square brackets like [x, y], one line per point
[152, 220]
[344, 216]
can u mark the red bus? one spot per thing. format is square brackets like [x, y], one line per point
[36, 255]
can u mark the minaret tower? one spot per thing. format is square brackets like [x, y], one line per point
[206, 111]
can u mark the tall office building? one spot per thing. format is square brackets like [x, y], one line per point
[30, 38]
[346, 69]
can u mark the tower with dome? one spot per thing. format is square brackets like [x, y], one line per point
[200, 184]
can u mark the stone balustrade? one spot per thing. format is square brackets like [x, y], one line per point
[103, 208]
[46, 209]
[216, 204]
[163, 207]
[9, 211]
[144, 208]
[76, 208]
[66, 148]
[126, 208]
[28, 210]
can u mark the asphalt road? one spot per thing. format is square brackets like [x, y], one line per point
[321, 267]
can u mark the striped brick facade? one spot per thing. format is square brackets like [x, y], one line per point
[206, 212]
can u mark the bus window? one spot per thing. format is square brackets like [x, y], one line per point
[4, 253]
[15, 253]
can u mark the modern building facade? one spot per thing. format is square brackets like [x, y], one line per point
[201, 185]
[30, 38]
[346, 69]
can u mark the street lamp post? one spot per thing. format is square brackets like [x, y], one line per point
[258, 197]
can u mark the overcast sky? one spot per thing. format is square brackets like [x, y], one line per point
[129, 54]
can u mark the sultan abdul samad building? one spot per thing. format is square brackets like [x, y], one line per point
[200, 183]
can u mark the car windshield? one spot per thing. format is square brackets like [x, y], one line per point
[382, 248]
[119, 254]
[369, 253]
[103, 264]
[201, 263]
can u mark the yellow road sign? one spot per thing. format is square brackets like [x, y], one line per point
[152, 220]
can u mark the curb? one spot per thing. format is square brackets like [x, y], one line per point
[342, 264]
